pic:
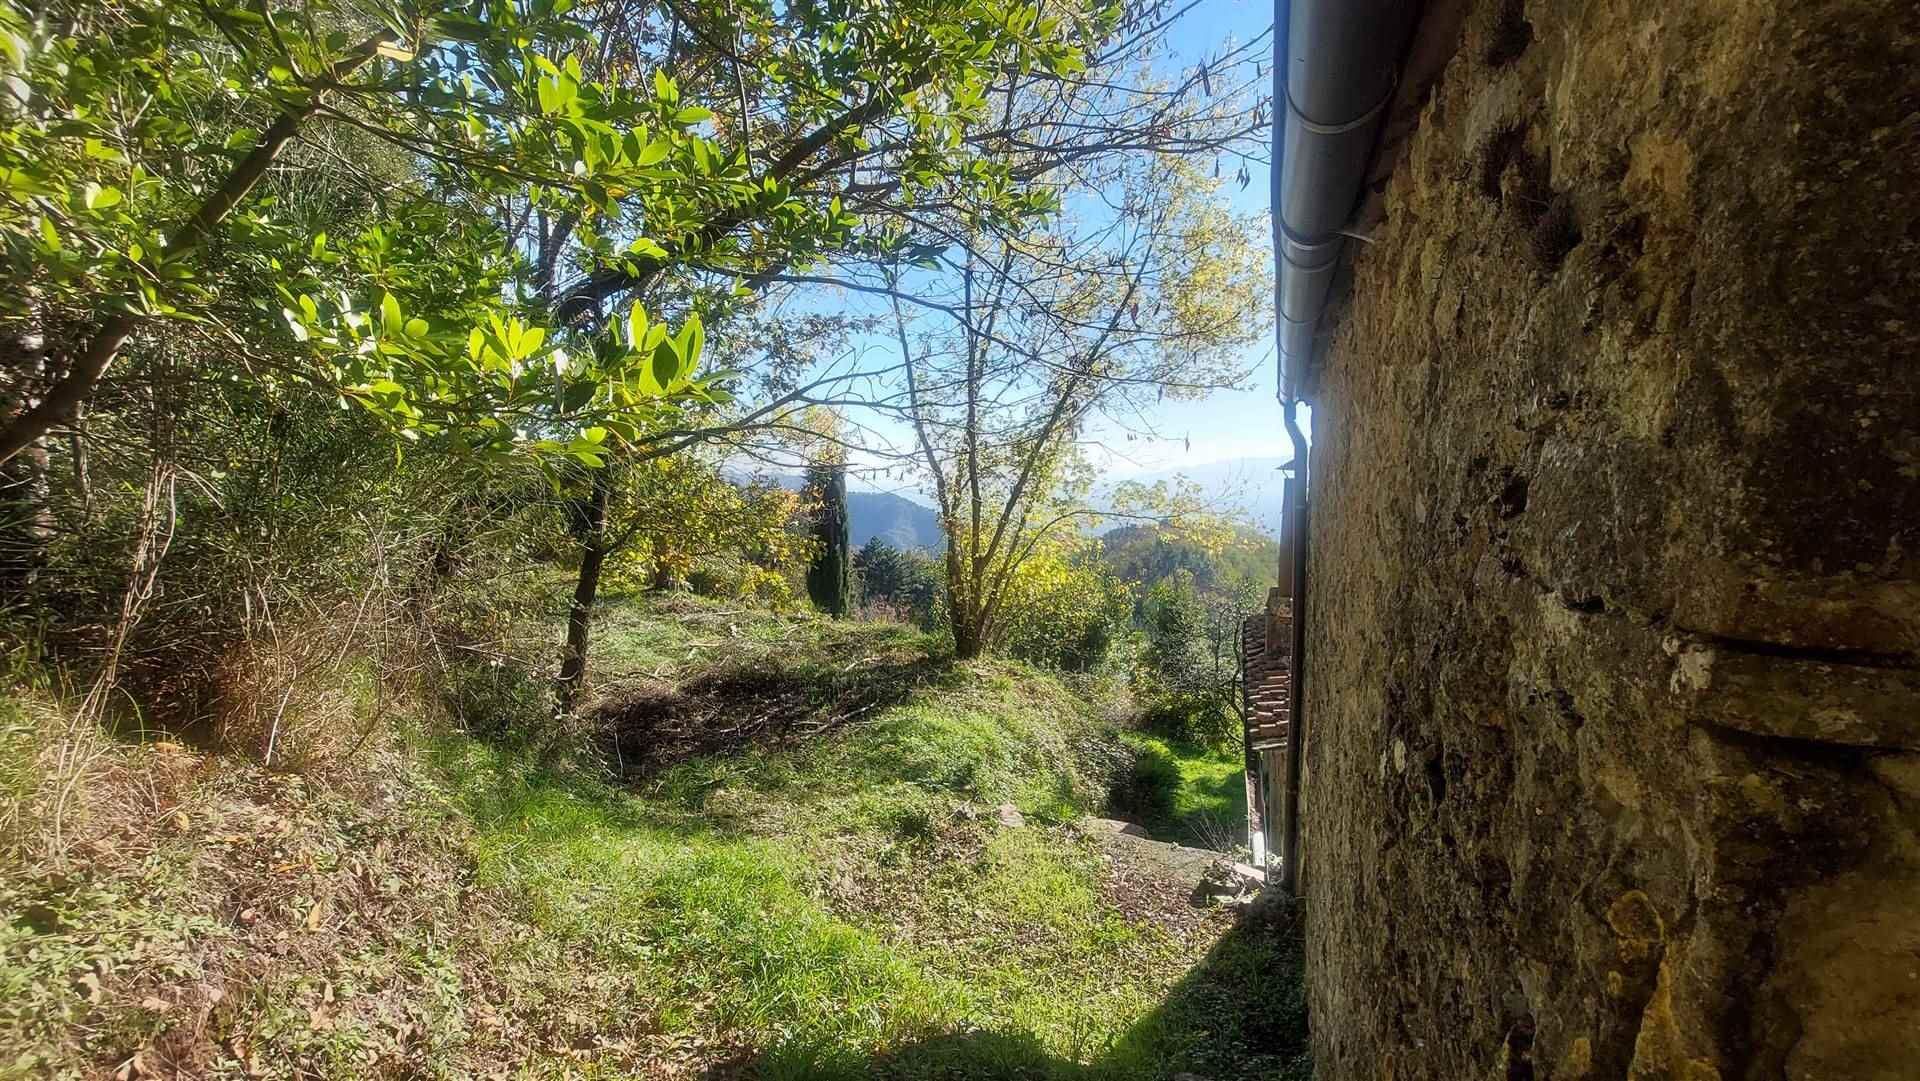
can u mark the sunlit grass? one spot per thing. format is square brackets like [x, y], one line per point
[1196, 795]
[846, 905]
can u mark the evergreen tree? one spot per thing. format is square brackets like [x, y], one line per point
[830, 579]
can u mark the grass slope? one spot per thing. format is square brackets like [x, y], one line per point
[1193, 795]
[833, 897]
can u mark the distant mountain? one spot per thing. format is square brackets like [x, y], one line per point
[900, 521]
[1249, 489]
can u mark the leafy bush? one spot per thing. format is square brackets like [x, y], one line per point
[686, 525]
[907, 582]
[1188, 674]
[1064, 609]
[494, 698]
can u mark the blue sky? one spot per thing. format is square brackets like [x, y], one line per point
[1226, 426]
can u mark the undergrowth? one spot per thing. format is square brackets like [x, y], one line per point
[898, 894]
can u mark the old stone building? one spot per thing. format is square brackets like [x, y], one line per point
[1612, 689]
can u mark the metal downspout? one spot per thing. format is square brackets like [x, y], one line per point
[1295, 526]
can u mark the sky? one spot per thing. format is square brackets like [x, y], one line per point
[1226, 426]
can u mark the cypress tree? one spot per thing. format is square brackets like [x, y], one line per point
[830, 578]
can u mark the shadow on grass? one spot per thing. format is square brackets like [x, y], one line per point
[736, 708]
[1190, 794]
[1238, 1015]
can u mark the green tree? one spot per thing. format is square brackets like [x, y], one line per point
[420, 318]
[1188, 675]
[1221, 555]
[905, 580]
[1073, 327]
[679, 522]
[1063, 608]
[830, 576]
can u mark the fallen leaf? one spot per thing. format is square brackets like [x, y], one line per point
[316, 915]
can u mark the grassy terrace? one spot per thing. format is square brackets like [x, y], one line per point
[801, 873]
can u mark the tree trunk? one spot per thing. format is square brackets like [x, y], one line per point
[26, 523]
[969, 641]
[573, 662]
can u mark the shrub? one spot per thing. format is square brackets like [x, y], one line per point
[1063, 608]
[496, 698]
[1188, 673]
[902, 582]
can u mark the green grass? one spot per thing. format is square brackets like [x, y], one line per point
[1194, 795]
[710, 876]
[846, 905]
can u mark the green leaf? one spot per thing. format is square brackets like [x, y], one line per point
[22, 182]
[636, 326]
[100, 151]
[693, 114]
[667, 363]
[578, 395]
[416, 327]
[95, 197]
[653, 153]
[390, 316]
[693, 339]
[461, 27]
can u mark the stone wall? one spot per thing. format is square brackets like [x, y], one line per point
[1614, 764]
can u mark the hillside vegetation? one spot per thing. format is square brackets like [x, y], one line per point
[831, 890]
[398, 678]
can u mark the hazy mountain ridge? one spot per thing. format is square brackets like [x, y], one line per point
[1248, 489]
[904, 523]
